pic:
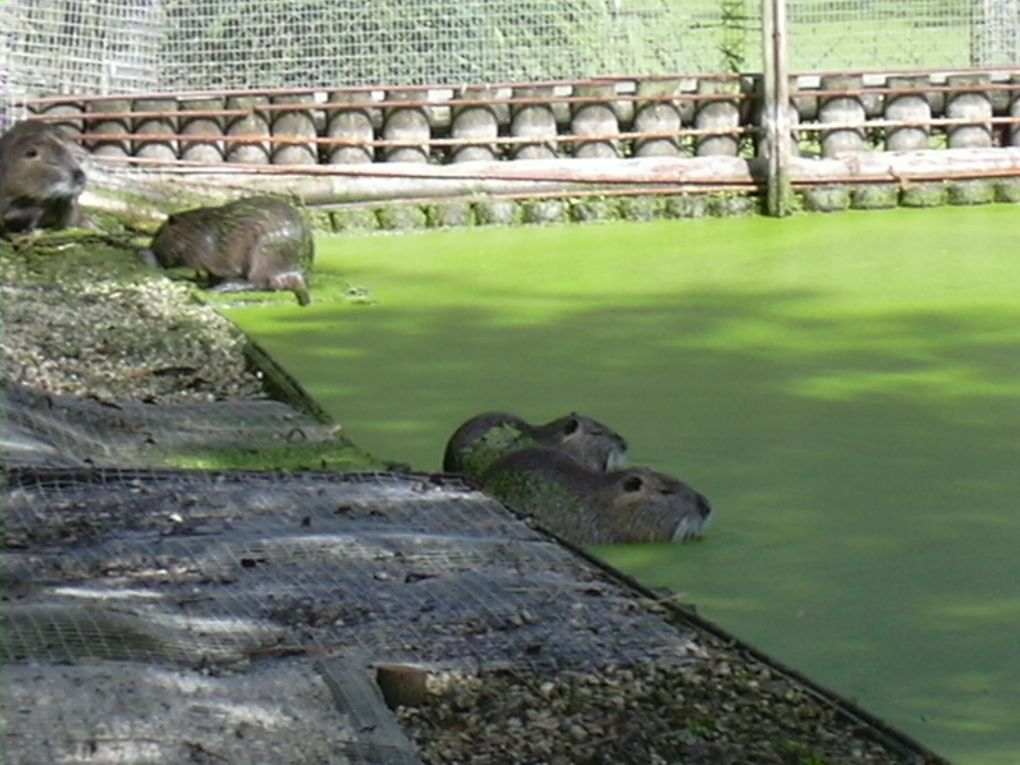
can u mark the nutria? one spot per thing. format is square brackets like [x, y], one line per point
[486, 437]
[588, 507]
[40, 178]
[256, 243]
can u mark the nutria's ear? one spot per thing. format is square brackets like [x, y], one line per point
[571, 425]
[633, 483]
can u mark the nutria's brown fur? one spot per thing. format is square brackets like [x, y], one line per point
[40, 178]
[591, 507]
[486, 437]
[256, 243]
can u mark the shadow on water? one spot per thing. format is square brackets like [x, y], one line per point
[855, 424]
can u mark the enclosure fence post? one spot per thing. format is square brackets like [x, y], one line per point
[776, 111]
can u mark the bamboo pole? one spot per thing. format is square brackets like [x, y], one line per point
[776, 110]
[768, 112]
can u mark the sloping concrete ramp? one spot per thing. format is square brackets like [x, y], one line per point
[41, 428]
[162, 616]
[158, 615]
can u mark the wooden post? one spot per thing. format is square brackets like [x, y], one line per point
[252, 124]
[776, 113]
[162, 150]
[534, 120]
[409, 123]
[842, 110]
[595, 119]
[909, 106]
[1014, 111]
[355, 124]
[657, 117]
[718, 115]
[206, 151]
[115, 127]
[970, 105]
[299, 123]
[72, 110]
[478, 123]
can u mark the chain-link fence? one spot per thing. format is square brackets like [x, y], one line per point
[828, 35]
[226, 44]
[109, 46]
[865, 34]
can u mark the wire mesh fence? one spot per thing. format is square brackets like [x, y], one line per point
[107, 46]
[166, 592]
[193, 566]
[89, 47]
[830, 35]
[44, 428]
[856, 34]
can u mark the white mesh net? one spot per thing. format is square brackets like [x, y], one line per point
[88, 47]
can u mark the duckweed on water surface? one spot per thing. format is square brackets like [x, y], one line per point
[842, 387]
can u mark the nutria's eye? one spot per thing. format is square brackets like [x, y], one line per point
[32, 153]
[633, 483]
[571, 426]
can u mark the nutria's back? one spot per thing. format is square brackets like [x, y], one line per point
[40, 178]
[260, 243]
[486, 437]
[478, 442]
[592, 507]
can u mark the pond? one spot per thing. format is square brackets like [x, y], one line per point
[844, 388]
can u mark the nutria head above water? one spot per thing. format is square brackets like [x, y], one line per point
[40, 178]
[486, 437]
[591, 507]
[255, 243]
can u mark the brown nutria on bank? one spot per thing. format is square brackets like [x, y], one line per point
[255, 243]
[589, 507]
[486, 437]
[40, 178]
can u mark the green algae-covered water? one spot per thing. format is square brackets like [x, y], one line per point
[845, 388]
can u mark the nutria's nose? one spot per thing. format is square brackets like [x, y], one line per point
[704, 506]
[78, 176]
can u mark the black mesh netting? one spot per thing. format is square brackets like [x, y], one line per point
[197, 566]
[170, 615]
[53, 430]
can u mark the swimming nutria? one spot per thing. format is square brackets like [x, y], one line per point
[40, 178]
[486, 437]
[589, 507]
[256, 243]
